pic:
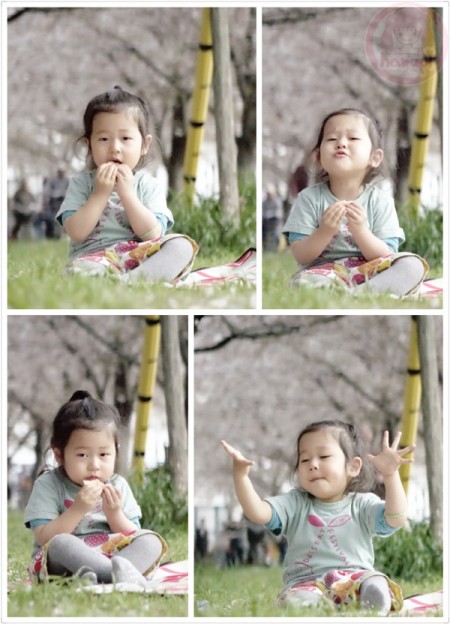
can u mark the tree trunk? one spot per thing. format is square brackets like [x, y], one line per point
[223, 113]
[175, 160]
[432, 421]
[174, 395]
[403, 155]
[246, 79]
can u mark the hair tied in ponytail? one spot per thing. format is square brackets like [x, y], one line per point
[79, 395]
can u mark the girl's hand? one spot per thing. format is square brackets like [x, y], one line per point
[88, 496]
[356, 216]
[240, 463]
[332, 218]
[124, 180]
[112, 498]
[105, 178]
[389, 460]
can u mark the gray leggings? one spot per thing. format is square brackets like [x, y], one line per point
[399, 279]
[374, 596]
[166, 264]
[67, 555]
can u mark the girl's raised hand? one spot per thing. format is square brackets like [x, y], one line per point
[112, 498]
[333, 217]
[240, 463]
[356, 216]
[390, 459]
[89, 494]
[124, 180]
[105, 178]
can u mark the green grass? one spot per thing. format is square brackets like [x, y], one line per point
[279, 267]
[61, 600]
[36, 281]
[250, 591]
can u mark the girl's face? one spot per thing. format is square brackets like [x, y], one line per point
[116, 138]
[322, 469]
[88, 455]
[346, 149]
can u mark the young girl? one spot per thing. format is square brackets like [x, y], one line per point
[84, 516]
[330, 519]
[344, 229]
[116, 214]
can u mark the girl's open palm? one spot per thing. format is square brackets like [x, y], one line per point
[390, 459]
[240, 463]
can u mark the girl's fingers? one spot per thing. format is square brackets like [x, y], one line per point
[407, 449]
[235, 454]
[396, 441]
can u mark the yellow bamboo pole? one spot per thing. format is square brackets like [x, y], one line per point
[424, 118]
[146, 386]
[200, 100]
[412, 397]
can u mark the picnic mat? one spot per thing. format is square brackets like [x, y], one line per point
[169, 578]
[431, 288]
[425, 603]
[244, 270]
[241, 270]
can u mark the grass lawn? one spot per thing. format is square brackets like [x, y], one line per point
[279, 267]
[56, 600]
[35, 281]
[250, 591]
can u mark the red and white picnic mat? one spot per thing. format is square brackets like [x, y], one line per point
[241, 270]
[425, 603]
[431, 288]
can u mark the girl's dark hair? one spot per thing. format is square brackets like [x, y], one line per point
[352, 446]
[114, 101]
[375, 135]
[83, 412]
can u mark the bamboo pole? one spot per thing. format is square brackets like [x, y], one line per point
[424, 118]
[146, 387]
[200, 100]
[412, 397]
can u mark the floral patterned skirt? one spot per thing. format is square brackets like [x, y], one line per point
[350, 272]
[125, 256]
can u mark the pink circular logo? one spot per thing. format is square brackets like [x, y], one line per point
[395, 42]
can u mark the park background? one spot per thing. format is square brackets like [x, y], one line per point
[58, 59]
[49, 357]
[329, 58]
[258, 381]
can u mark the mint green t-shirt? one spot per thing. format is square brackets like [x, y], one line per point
[311, 203]
[53, 492]
[113, 226]
[327, 536]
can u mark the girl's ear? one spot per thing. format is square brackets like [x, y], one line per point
[376, 157]
[354, 467]
[87, 143]
[58, 456]
[146, 143]
[317, 155]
